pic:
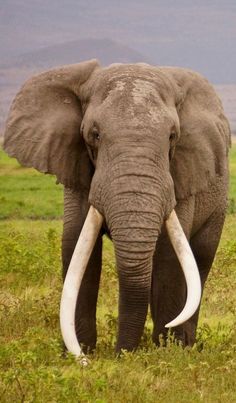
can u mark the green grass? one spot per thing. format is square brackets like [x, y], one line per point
[32, 365]
[25, 193]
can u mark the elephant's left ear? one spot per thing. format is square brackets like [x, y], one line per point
[200, 155]
[43, 127]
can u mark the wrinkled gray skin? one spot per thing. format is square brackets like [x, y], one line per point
[135, 141]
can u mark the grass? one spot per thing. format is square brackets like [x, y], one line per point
[32, 365]
[25, 193]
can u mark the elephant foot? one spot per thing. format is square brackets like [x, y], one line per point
[87, 335]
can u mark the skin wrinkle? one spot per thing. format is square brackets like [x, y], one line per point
[119, 179]
[150, 221]
[113, 206]
[124, 161]
[130, 207]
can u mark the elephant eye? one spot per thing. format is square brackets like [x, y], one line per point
[96, 135]
[172, 136]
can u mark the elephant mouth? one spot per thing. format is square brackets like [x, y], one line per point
[79, 261]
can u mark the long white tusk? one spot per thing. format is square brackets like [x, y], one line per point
[189, 267]
[77, 267]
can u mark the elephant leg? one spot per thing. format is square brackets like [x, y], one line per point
[168, 285]
[168, 293]
[75, 211]
[204, 245]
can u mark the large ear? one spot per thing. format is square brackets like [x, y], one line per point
[200, 153]
[43, 127]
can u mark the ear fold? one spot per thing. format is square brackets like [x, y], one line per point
[43, 127]
[200, 153]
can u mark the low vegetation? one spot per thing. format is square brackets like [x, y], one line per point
[33, 366]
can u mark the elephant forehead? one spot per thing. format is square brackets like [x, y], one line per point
[144, 90]
[136, 88]
[130, 91]
[120, 85]
[137, 98]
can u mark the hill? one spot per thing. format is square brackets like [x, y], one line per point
[105, 50]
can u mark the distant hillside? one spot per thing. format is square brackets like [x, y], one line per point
[105, 50]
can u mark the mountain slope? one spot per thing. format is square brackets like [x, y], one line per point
[105, 50]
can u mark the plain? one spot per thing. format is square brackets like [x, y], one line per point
[33, 367]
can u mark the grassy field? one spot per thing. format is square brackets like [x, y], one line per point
[32, 365]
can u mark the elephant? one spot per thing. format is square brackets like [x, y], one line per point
[135, 142]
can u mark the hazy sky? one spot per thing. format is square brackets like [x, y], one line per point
[199, 34]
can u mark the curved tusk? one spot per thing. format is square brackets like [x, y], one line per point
[77, 267]
[189, 267]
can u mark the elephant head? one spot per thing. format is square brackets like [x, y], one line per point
[129, 134]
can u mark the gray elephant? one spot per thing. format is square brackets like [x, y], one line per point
[134, 141]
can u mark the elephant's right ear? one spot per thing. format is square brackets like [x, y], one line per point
[43, 127]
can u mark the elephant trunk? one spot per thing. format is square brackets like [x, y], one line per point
[134, 208]
[134, 265]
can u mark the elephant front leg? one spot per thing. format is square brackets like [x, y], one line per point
[168, 285]
[204, 245]
[85, 320]
[75, 211]
[168, 293]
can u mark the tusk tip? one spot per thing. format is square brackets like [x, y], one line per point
[189, 267]
[84, 362]
[171, 324]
